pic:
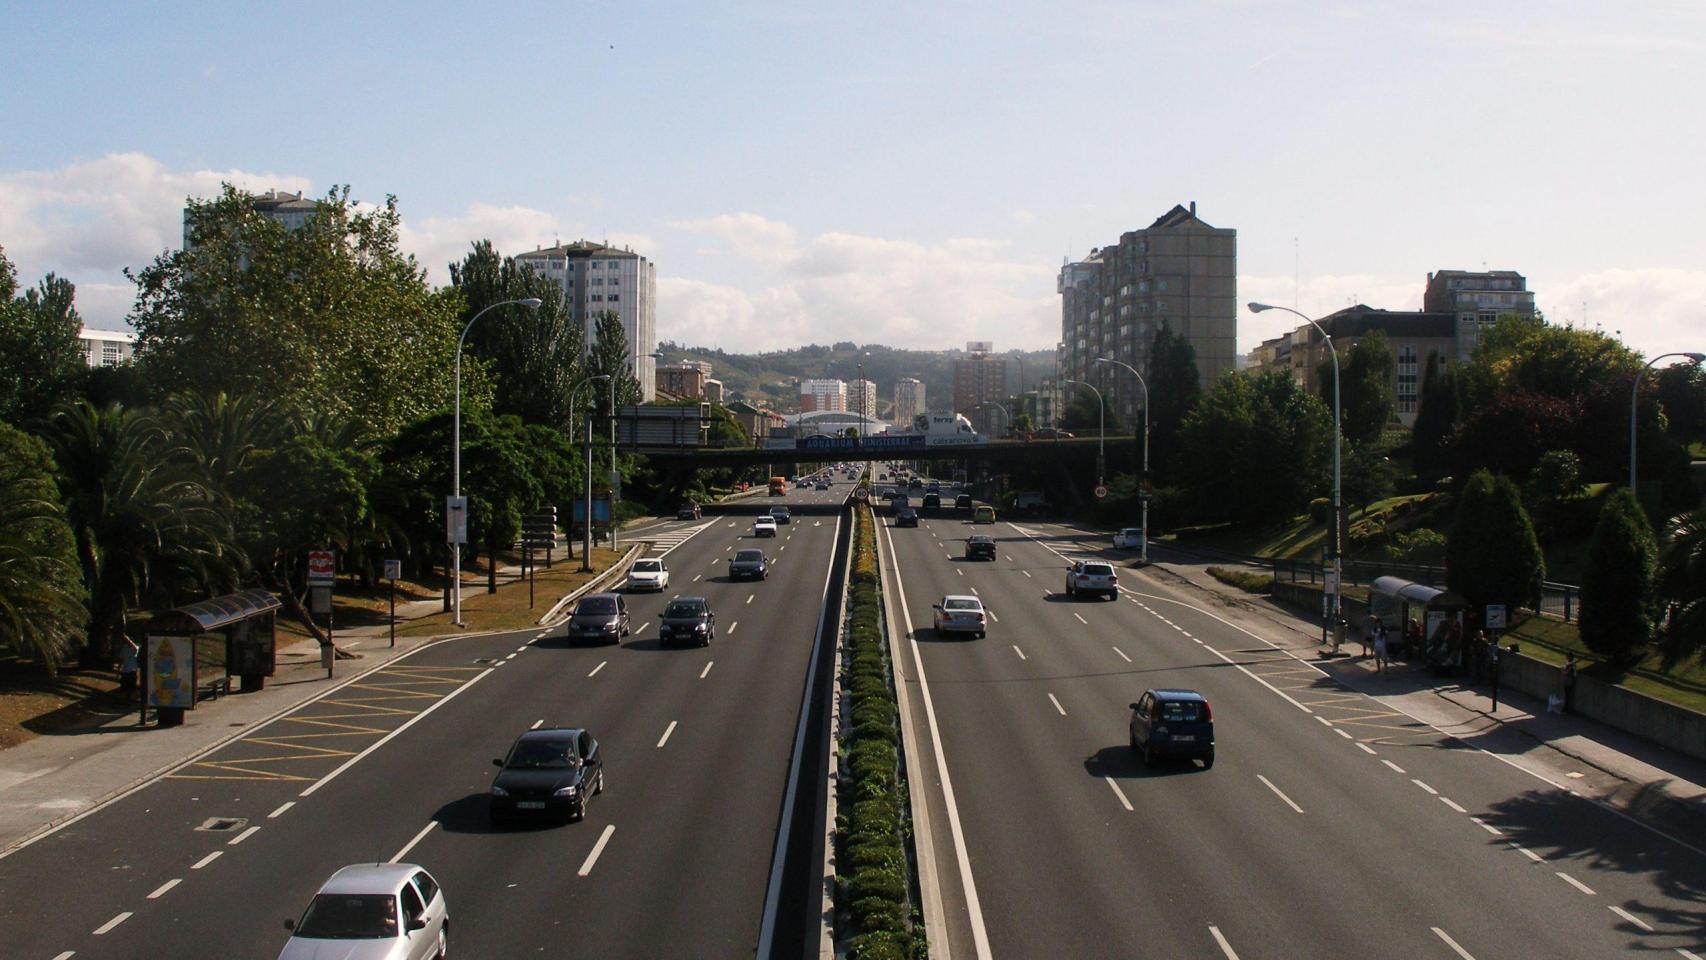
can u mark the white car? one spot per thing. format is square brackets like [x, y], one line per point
[648, 574]
[1129, 538]
[764, 527]
[960, 614]
[372, 911]
[1092, 576]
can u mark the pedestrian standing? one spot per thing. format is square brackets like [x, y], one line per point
[1569, 683]
[1370, 627]
[1380, 651]
[128, 654]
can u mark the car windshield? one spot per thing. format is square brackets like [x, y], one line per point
[596, 607]
[350, 916]
[961, 603]
[648, 566]
[1181, 711]
[684, 610]
[541, 755]
[749, 555]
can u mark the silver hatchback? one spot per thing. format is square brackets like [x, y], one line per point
[373, 911]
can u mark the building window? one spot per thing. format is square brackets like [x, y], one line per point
[1161, 306]
[598, 298]
[613, 298]
[109, 354]
[1161, 285]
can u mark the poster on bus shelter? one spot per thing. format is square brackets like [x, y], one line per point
[171, 672]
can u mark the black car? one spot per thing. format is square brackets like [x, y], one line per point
[548, 772]
[906, 517]
[781, 515]
[687, 511]
[600, 616]
[687, 620]
[932, 501]
[749, 563]
[963, 502]
[980, 547]
[1173, 723]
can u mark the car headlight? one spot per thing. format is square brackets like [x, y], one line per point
[568, 791]
[499, 792]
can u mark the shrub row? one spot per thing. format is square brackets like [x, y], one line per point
[872, 871]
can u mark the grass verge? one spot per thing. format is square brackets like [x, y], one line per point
[873, 879]
[1545, 638]
[1245, 580]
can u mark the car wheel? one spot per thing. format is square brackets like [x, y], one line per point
[600, 787]
[705, 642]
[580, 810]
[443, 943]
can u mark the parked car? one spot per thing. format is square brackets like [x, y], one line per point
[906, 517]
[1173, 723]
[963, 502]
[983, 514]
[1129, 538]
[648, 573]
[1092, 576]
[980, 547]
[960, 614]
[549, 772]
[600, 616]
[687, 620]
[688, 511]
[750, 563]
[781, 515]
[383, 911]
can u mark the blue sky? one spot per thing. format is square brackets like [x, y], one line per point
[904, 174]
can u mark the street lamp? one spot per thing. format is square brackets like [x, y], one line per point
[1635, 388]
[1338, 518]
[1143, 492]
[586, 462]
[531, 303]
[1101, 430]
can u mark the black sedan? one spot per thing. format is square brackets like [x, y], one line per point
[687, 620]
[550, 773]
[906, 517]
[980, 547]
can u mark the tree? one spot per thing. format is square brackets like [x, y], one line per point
[1682, 394]
[535, 358]
[42, 612]
[329, 317]
[1082, 415]
[1368, 475]
[1367, 382]
[1254, 449]
[1492, 554]
[1618, 581]
[41, 356]
[1511, 431]
[1436, 417]
[1681, 584]
[1175, 386]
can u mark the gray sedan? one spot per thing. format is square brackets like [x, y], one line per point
[372, 911]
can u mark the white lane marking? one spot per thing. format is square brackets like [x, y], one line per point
[1121, 653]
[417, 838]
[750, 596]
[1686, 954]
[161, 890]
[781, 548]
[666, 732]
[597, 848]
[1025, 572]
[1366, 748]
[1394, 766]
[1530, 854]
[1324, 721]
[510, 657]
[1484, 825]
[960, 572]
[246, 834]
[1431, 791]
[537, 724]
[974, 907]
[1279, 793]
[1057, 705]
[502, 662]
[1225, 947]
[67, 955]
[204, 861]
[1341, 732]
[696, 578]
[1118, 793]
[1021, 653]
[1009, 557]
[975, 593]
[707, 669]
[523, 647]
[1452, 804]
[286, 805]
[1637, 921]
[1466, 955]
[732, 627]
[600, 666]
[110, 924]
[1572, 881]
[1081, 619]
[992, 616]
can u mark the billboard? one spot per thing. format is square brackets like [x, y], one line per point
[171, 672]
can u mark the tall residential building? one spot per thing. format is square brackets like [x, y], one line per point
[862, 398]
[595, 279]
[1180, 271]
[980, 378]
[1477, 300]
[107, 348]
[908, 399]
[817, 395]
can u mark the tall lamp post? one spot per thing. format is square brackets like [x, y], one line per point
[1101, 430]
[1143, 492]
[531, 303]
[586, 463]
[1338, 518]
[1635, 389]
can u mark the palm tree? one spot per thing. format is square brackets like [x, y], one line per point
[143, 525]
[41, 594]
[1682, 584]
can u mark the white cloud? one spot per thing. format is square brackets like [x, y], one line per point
[1316, 297]
[1654, 309]
[748, 235]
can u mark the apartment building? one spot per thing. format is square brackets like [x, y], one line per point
[908, 399]
[821, 395]
[596, 279]
[980, 379]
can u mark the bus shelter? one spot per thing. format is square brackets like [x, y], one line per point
[232, 636]
[1429, 620]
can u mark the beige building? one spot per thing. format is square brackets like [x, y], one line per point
[980, 378]
[685, 380]
[822, 395]
[1179, 271]
[862, 398]
[908, 399]
[1477, 300]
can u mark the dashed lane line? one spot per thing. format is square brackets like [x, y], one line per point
[1453, 944]
[107, 927]
[600, 666]
[1572, 881]
[597, 848]
[204, 861]
[1279, 793]
[1637, 921]
[417, 838]
[246, 834]
[1220, 939]
[666, 732]
[286, 805]
[707, 670]
[1021, 653]
[164, 888]
[1057, 706]
[1119, 793]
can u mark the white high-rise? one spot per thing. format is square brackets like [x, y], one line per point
[596, 278]
[823, 395]
[862, 398]
[908, 400]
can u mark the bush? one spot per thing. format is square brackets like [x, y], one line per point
[1618, 586]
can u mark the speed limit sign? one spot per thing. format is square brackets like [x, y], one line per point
[1101, 491]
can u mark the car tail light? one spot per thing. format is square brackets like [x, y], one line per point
[1114, 579]
[1207, 713]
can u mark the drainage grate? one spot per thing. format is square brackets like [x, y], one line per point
[223, 824]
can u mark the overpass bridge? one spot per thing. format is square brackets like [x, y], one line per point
[997, 453]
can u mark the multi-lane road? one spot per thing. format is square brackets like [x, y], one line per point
[1330, 826]
[674, 859]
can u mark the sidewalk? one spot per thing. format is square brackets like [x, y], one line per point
[54, 778]
[1659, 787]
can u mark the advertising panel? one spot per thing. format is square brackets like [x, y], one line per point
[171, 672]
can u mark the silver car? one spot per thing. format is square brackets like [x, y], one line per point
[372, 911]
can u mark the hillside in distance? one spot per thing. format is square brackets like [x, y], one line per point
[773, 378]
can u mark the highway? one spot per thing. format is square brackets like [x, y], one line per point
[1330, 826]
[674, 859]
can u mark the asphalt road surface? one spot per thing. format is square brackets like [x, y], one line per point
[1329, 826]
[673, 859]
